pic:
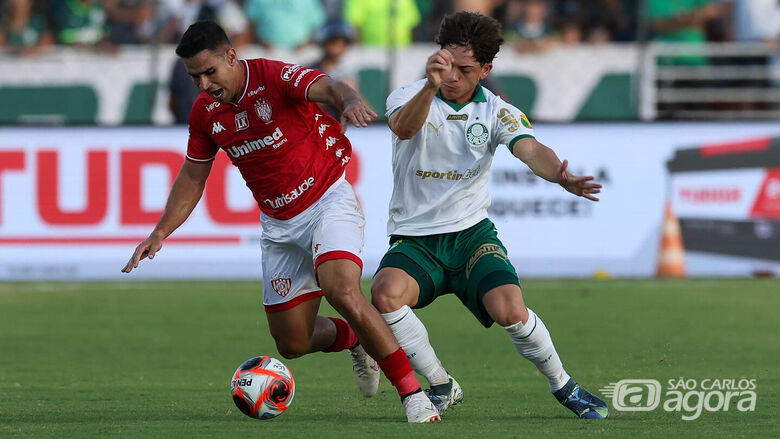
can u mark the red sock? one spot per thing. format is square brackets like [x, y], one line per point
[397, 369]
[345, 337]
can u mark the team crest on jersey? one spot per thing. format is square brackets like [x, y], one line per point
[282, 285]
[242, 121]
[263, 110]
[477, 134]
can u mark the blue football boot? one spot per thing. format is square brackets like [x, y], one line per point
[580, 401]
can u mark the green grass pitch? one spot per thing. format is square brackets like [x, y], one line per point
[154, 359]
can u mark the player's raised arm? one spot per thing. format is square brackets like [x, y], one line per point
[407, 121]
[354, 110]
[184, 196]
[545, 163]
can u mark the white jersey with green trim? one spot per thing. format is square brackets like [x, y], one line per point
[440, 175]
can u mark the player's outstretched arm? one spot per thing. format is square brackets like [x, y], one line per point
[407, 121]
[184, 196]
[545, 163]
[354, 110]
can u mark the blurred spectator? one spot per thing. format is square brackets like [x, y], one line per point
[571, 33]
[431, 14]
[599, 20]
[383, 22]
[129, 21]
[759, 21]
[287, 24]
[484, 7]
[174, 16]
[528, 25]
[183, 93]
[335, 38]
[756, 20]
[25, 26]
[81, 22]
[682, 21]
[622, 18]
[334, 10]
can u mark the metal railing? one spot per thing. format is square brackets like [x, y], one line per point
[710, 81]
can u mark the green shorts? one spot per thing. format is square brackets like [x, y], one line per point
[468, 264]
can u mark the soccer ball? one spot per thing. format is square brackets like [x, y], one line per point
[262, 387]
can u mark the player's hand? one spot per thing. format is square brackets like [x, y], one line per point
[580, 186]
[357, 113]
[148, 248]
[439, 68]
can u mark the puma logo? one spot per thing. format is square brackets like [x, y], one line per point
[435, 128]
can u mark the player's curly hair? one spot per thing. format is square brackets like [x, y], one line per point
[202, 35]
[468, 29]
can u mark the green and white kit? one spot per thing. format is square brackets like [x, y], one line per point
[441, 173]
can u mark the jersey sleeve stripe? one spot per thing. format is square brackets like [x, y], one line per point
[522, 136]
[193, 159]
[306, 92]
[390, 113]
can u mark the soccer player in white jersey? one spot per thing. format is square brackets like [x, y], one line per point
[292, 155]
[446, 129]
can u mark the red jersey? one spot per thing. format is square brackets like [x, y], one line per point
[287, 149]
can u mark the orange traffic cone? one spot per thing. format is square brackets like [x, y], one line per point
[671, 257]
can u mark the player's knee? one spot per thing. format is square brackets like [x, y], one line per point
[388, 296]
[511, 315]
[383, 299]
[291, 349]
[345, 300]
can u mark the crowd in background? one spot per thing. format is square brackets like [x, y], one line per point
[29, 27]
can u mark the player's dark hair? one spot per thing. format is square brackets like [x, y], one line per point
[202, 35]
[468, 29]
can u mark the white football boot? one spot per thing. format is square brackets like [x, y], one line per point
[366, 371]
[445, 396]
[420, 409]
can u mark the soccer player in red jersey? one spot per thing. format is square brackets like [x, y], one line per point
[292, 155]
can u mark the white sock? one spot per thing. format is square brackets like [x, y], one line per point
[413, 338]
[533, 342]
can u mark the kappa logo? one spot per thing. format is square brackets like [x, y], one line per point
[289, 70]
[242, 121]
[282, 285]
[217, 127]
